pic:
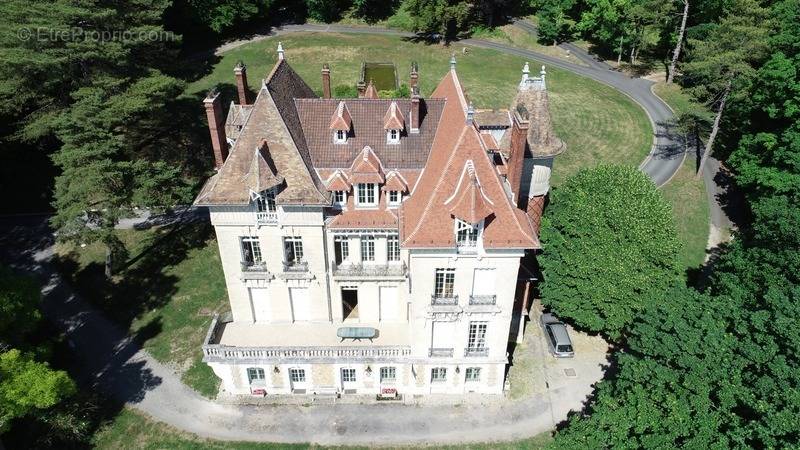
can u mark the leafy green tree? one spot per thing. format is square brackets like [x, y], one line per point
[723, 62]
[610, 248]
[326, 10]
[27, 385]
[555, 22]
[448, 18]
[19, 307]
[222, 15]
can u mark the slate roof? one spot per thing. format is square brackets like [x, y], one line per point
[367, 129]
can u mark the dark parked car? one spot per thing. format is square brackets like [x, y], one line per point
[558, 340]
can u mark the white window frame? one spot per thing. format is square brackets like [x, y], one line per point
[340, 136]
[297, 375]
[265, 202]
[393, 136]
[367, 248]
[394, 198]
[476, 336]
[472, 374]
[467, 235]
[345, 246]
[339, 198]
[256, 374]
[444, 283]
[253, 245]
[388, 374]
[350, 376]
[363, 193]
[393, 248]
[296, 243]
[438, 374]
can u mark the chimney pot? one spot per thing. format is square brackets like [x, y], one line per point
[326, 81]
[415, 110]
[414, 75]
[240, 71]
[216, 127]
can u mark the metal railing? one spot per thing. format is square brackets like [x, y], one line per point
[480, 351]
[440, 352]
[266, 218]
[255, 270]
[362, 270]
[295, 266]
[482, 299]
[442, 300]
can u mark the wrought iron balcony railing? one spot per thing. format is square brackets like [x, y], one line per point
[442, 300]
[477, 351]
[440, 352]
[266, 218]
[295, 266]
[482, 299]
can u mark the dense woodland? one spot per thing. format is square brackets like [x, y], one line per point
[90, 123]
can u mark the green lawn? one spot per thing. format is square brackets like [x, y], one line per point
[597, 122]
[131, 430]
[166, 296]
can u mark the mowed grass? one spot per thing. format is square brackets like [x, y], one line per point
[510, 34]
[165, 296]
[690, 209]
[131, 430]
[598, 123]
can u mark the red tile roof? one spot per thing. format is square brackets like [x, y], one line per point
[371, 92]
[341, 119]
[468, 201]
[338, 182]
[424, 219]
[366, 168]
[395, 182]
[393, 119]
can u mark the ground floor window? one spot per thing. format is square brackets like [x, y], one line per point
[348, 375]
[473, 374]
[297, 375]
[388, 374]
[438, 374]
[255, 375]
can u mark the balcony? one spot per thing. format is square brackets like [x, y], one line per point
[444, 300]
[476, 352]
[252, 270]
[361, 271]
[482, 299]
[234, 342]
[266, 218]
[296, 270]
[440, 352]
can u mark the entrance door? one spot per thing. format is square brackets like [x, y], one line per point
[301, 304]
[350, 304]
[347, 376]
[389, 304]
[298, 380]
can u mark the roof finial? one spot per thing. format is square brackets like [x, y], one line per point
[453, 61]
[280, 50]
[470, 113]
[543, 73]
[526, 70]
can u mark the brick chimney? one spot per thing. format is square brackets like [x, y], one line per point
[216, 127]
[412, 82]
[362, 88]
[241, 83]
[535, 209]
[519, 140]
[326, 81]
[415, 110]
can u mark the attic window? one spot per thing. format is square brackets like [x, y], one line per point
[393, 136]
[466, 235]
[339, 198]
[340, 137]
[395, 197]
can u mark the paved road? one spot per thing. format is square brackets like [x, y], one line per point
[112, 362]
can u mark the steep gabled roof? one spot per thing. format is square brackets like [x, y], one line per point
[426, 222]
[338, 182]
[393, 119]
[468, 201]
[273, 119]
[371, 92]
[366, 168]
[341, 119]
[395, 182]
[262, 174]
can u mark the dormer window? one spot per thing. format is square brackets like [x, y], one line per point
[393, 136]
[339, 199]
[395, 197]
[340, 137]
[466, 235]
[367, 194]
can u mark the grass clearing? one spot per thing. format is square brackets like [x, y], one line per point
[165, 296]
[598, 123]
[690, 209]
[132, 430]
[513, 35]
